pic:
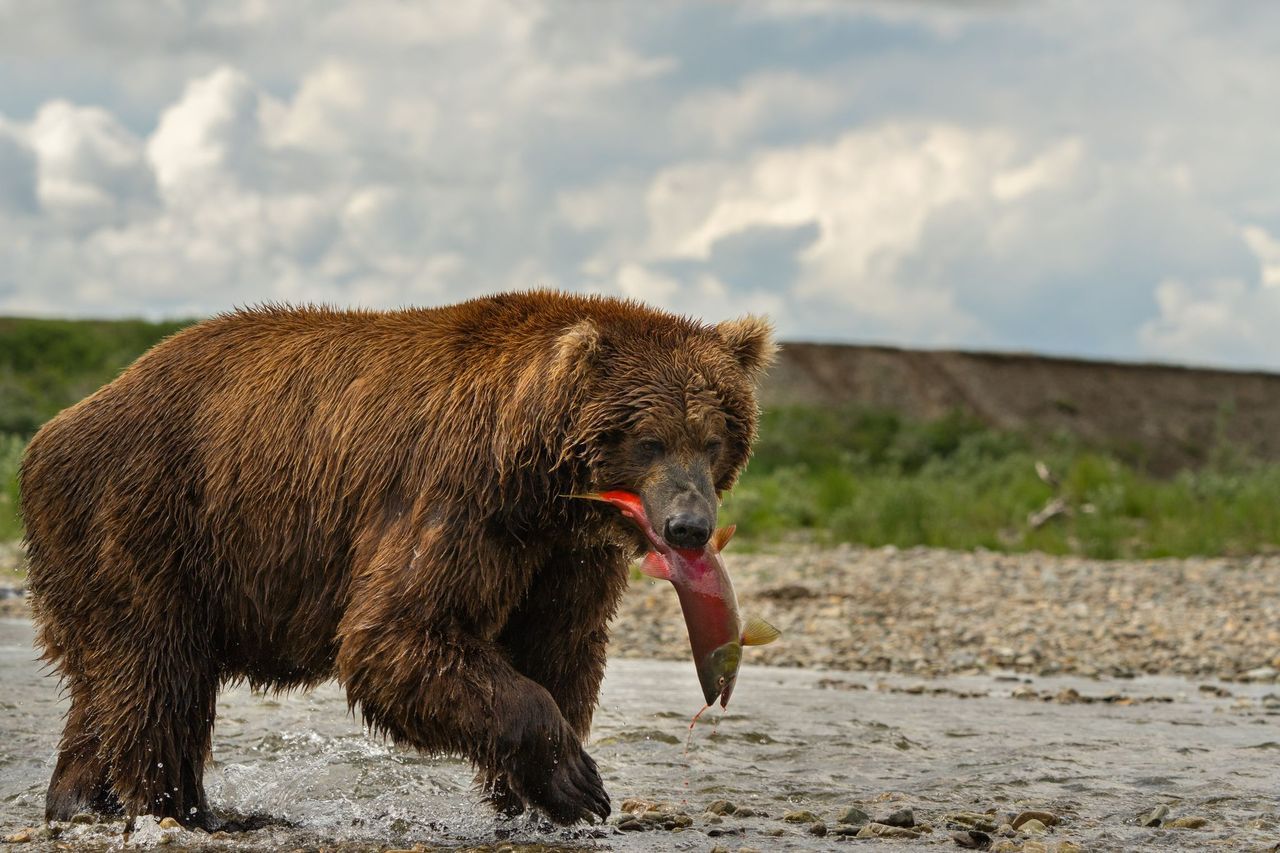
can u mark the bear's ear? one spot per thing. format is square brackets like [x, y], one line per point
[750, 341]
[576, 349]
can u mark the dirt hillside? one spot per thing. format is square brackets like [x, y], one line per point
[1170, 416]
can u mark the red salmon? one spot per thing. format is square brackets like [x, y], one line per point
[716, 630]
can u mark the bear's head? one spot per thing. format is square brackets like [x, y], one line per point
[667, 410]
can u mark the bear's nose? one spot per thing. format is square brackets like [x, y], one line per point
[686, 530]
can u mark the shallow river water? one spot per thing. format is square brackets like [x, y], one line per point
[793, 740]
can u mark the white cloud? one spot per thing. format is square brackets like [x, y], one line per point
[91, 169]
[961, 173]
[729, 117]
[17, 172]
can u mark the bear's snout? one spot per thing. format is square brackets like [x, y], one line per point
[687, 530]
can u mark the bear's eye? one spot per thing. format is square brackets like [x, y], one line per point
[650, 448]
[714, 446]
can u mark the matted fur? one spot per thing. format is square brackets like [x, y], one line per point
[285, 495]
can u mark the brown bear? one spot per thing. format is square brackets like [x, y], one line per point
[287, 495]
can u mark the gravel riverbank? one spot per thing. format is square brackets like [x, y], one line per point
[934, 613]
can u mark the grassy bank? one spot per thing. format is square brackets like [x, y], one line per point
[871, 478]
[827, 475]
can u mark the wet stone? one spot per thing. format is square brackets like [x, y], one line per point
[721, 807]
[819, 829]
[853, 816]
[22, 836]
[745, 811]
[972, 820]
[1154, 817]
[170, 823]
[83, 817]
[902, 818]
[881, 830]
[1004, 845]
[1046, 818]
[801, 816]
[1187, 823]
[972, 839]
[1033, 827]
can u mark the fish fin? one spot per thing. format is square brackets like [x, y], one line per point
[722, 536]
[758, 632]
[656, 567]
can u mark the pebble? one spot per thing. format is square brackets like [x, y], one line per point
[1187, 823]
[170, 823]
[972, 839]
[881, 830]
[1033, 827]
[1154, 817]
[721, 807]
[903, 818]
[819, 829]
[853, 816]
[972, 820]
[22, 836]
[1004, 845]
[1045, 818]
[800, 817]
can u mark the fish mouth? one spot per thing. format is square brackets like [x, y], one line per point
[718, 672]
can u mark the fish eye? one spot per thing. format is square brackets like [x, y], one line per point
[720, 681]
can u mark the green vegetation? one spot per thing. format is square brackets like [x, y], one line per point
[871, 478]
[45, 366]
[826, 475]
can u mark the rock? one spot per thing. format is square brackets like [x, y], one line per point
[1033, 827]
[819, 829]
[745, 811]
[714, 819]
[881, 830]
[1004, 845]
[972, 839]
[1187, 823]
[721, 807]
[903, 818]
[1034, 847]
[720, 848]
[83, 817]
[971, 820]
[22, 836]
[800, 817]
[853, 816]
[1025, 692]
[1155, 817]
[1046, 818]
[170, 823]
[630, 824]
[1262, 673]
[1069, 847]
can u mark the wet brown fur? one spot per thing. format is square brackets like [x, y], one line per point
[286, 495]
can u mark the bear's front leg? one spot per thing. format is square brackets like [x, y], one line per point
[413, 655]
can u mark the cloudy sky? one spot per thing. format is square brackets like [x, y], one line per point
[1079, 178]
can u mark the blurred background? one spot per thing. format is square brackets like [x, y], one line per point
[1052, 178]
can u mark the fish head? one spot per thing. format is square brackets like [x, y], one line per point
[718, 672]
